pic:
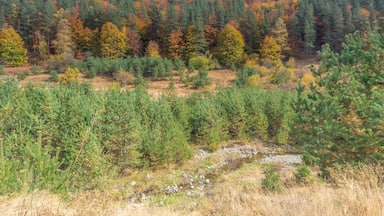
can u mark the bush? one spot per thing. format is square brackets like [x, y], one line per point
[272, 181]
[71, 75]
[303, 175]
[35, 69]
[54, 76]
[282, 75]
[2, 72]
[21, 76]
[201, 79]
[254, 81]
[243, 75]
[124, 78]
[199, 62]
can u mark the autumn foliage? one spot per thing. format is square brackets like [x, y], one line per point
[12, 49]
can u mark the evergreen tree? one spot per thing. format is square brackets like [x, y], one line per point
[251, 32]
[341, 120]
[280, 34]
[190, 49]
[309, 32]
[12, 49]
[63, 44]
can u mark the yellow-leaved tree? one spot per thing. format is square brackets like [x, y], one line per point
[112, 41]
[230, 46]
[270, 50]
[12, 49]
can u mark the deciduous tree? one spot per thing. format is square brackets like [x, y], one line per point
[12, 49]
[230, 46]
[112, 41]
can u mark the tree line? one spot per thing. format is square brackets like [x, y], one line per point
[184, 29]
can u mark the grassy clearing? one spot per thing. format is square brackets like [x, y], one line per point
[349, 191]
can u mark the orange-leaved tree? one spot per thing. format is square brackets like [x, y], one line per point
[175, 44]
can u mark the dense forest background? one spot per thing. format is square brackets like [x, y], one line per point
[183, 28]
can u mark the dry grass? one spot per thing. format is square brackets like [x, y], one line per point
[352, 192]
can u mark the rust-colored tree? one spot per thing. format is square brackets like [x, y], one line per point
[175, 44]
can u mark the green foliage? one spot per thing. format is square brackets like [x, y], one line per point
[272, 181]
[341, 119]
[35, 69]
[303, 175]
[243, 75]
[21, 76]
[199, 62]
[2, 72]
[70, 137]
[201, 79]
[54, 76]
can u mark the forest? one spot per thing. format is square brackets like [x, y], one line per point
[66, 137]
[59, 30]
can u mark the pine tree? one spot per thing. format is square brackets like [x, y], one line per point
[112, 41]
[341, 120]
[12, 49]
[190, 49]
[63, 43]
[280, 35]
[230, 46]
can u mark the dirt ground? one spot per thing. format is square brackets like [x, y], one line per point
[156, 87]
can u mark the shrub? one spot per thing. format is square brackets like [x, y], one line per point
[272, 181]
[2, 72]
[179, 64]
[199, 62]
[307, 80]
[201, 79]
[254, 81]
[71, 75]
[35, 69]
[282, 75]
[124, 78]
[54, 76]
[21, 76]
[243, 75]
[303, 175]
